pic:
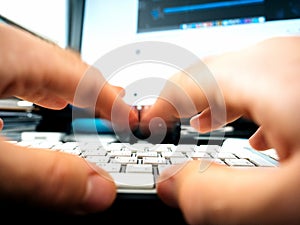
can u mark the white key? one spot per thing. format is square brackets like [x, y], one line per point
[207, 148]
[195, 155]
[238, 162]
[142, 146]
[133, 180]
[97, 159]
[177, 160]
[124, 159]
[185, 148]
[94, 152]
[164, 148]
[172, 154]
[24, 143]
[72, 151]
[243, 154]
[146, 154]
[161, 168]
[260, 161]
[115, 146]
[225, 155]
[69, 145]
[271, 153]
[154, 160]
[110, 167]
[138, 168]
[120, 153]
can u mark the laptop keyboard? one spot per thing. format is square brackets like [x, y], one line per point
[137, 166]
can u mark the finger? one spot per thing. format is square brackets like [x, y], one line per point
[217, 194]
[204, 122]
[119, 90]
[104, 100]
[1, 124]
[181, 97]
[209, 120]
[112, 107]
[48, 101]
[258, 140]
[54, 180]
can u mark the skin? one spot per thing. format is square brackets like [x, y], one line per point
[261, 83]
[43, 73]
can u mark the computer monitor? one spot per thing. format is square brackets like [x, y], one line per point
[200, 26]
[48, 18]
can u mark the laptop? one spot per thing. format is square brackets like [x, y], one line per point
[201, 28]
[197, 28]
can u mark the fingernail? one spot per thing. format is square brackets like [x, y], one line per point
[100, 191]
[194, 122]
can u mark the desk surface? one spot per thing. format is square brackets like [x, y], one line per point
[125, 209]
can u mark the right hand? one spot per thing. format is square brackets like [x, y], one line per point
[262, 84]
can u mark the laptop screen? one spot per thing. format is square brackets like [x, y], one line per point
[200, 26]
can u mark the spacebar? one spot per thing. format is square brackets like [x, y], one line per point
[133, 180]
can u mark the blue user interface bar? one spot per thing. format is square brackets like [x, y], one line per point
[212, 5]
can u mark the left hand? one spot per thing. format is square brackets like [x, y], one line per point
[47, 75]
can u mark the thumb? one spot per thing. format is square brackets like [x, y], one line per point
[208, 193]
[53, 180]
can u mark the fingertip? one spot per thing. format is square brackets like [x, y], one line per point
[53, 103]
[258, 141]
[1, 124]
[133, 118]
[100, 191]
[164, 192]
[166, 185]
[100, 194]
[199, 124]
[194, 122]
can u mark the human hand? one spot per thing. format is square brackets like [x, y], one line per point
[47, 75]
[53, 180]
[260, 83]
[29, 63]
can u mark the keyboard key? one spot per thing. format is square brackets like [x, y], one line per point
[177, 160]
[271, 153]
[133, 180]
[238, 162]
[138, 168]
[196, 155]
[119, 153]
[207, 148]
[259, 161]
[146, 154]
[225, 155]
[94, 152]
[124, 159]
[172, 154]
[97, 159]
[154, 160]
[110, 167]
